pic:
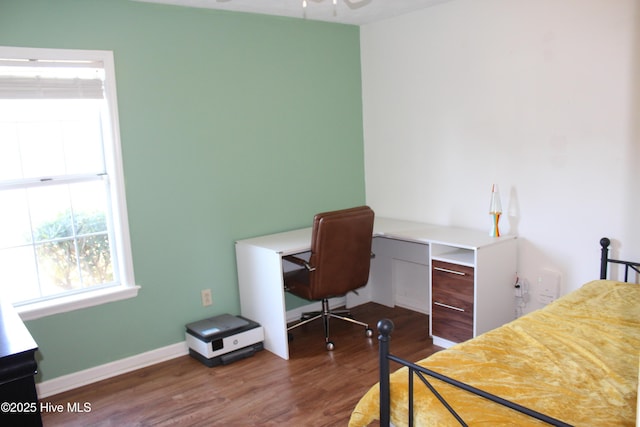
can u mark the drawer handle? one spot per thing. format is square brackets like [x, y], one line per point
[448, 306]
[446, 270]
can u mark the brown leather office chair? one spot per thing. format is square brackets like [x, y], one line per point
[338, 264]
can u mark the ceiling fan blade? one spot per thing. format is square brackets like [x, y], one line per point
[357, 4]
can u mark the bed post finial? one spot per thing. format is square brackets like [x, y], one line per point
[604, 257]
[385, 327]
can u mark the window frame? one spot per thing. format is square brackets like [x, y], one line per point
[114, 165]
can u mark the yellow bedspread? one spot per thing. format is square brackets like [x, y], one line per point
[575, 360]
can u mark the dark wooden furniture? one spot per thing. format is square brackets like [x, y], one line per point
[18, 398]
[452, 301]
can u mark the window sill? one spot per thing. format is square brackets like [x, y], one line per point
[76, 302]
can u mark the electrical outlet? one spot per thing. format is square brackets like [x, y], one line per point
[206, 297]
[549, 282]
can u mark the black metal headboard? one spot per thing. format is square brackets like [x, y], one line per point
[605, 260]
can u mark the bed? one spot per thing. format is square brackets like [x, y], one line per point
[574, 362]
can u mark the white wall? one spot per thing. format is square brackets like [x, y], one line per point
[539, 96]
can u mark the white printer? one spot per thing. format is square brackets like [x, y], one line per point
[223, 339]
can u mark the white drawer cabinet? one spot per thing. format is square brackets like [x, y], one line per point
[471, 290]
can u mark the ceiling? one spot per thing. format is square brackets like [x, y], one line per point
[356, 12]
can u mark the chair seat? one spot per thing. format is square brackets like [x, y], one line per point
[297, 283]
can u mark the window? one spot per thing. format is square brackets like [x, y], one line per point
[64, 237]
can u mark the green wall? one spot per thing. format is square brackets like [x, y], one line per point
[232, 125]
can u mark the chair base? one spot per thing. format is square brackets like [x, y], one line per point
[327, 314]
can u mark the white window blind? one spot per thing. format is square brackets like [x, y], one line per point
[49, 88]
[44, 79]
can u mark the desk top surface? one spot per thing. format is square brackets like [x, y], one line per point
[296, 241]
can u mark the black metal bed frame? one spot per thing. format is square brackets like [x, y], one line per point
[385, 328]
[605, 261]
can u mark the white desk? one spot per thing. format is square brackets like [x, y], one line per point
[260, 272]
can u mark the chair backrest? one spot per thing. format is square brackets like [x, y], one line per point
[340, 251]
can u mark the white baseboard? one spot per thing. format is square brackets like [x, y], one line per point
[111, 369]
[122, 366]
[412, 305]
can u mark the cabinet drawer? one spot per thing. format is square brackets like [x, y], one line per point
[447, 269]
[450, 324]
[452, 301]
[452, 285]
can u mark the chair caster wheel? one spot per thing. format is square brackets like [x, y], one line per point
[369, 332]
[330, 346]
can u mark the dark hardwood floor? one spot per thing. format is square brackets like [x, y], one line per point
[314, 387]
